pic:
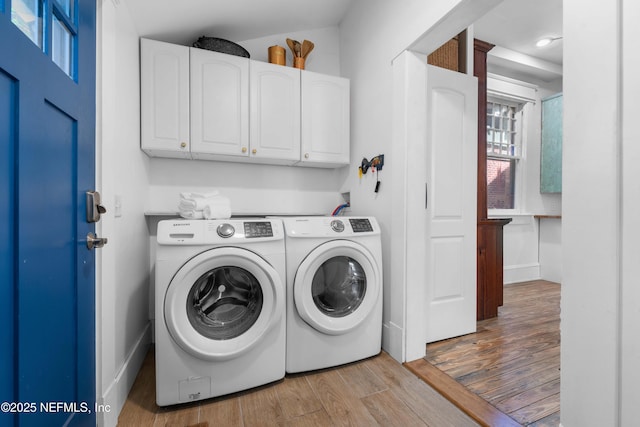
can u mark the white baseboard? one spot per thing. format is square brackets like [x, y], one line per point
[116, 393]
[392, 340]
[521, 273]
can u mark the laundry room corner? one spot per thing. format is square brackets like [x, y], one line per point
[138, 191]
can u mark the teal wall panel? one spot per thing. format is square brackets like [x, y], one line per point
[551, 150]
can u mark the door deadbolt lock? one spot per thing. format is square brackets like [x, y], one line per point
[94, 207]
[94, 241]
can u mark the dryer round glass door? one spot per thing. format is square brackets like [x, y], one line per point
[222, 302]
[337, 286]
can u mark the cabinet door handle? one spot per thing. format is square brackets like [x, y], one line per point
[426, 195]
[254, 151]
[244, 149]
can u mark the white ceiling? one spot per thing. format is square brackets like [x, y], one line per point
[513, 26]
[184, 21]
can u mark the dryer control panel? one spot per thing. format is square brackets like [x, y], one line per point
[341, 227]
[360, 225]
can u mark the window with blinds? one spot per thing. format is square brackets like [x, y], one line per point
[503, 153]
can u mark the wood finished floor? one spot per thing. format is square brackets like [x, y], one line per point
[372, 392]
[512, 361]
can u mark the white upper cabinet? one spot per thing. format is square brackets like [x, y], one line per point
[275, 113]
[200, 104]
[219, 105]
[164, 91]
[325, 120]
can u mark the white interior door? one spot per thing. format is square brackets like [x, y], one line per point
[450, 203]
[434, 205]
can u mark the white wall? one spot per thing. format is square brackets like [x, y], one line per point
[630, 295]
[252, 189]
[122, 283]
[550, 248]
[600, 306]
[521, 255]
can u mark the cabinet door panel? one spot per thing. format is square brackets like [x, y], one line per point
[275, 112]
[164, 87]
[219, 104]
[325, 119]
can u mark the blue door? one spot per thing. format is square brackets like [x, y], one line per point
[47, 145]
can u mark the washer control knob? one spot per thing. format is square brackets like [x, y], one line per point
[226, 230]
[337, 226]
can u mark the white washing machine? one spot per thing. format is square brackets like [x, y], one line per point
[334, 291]
[219, 307]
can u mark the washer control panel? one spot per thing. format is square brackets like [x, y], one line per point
[230, 231]
[258, 229]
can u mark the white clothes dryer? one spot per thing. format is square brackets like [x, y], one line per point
[219, 307]
[334, 291]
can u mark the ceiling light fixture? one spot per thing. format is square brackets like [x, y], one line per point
[546, 41]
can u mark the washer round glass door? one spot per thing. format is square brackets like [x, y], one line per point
[336, 287]
[222, 302]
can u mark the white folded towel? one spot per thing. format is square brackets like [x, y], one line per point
[191, 214]
[211, 205]
[216, 211]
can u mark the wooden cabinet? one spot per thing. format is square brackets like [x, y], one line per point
[490, 276]
[219, 105]
[325, 120]
[207, 105]
[275, 113]
[164, 92]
